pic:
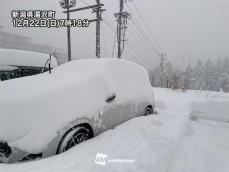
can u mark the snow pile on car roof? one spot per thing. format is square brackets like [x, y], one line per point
[10, 57]
[37, 107]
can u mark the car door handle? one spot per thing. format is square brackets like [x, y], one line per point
[111, 98]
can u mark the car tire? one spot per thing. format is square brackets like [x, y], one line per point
[74, 136]
[148, 111]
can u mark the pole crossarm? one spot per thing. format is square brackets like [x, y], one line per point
[85, 8]
[93, 20]
[95, 9]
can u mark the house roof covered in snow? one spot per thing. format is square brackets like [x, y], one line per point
[19, 58]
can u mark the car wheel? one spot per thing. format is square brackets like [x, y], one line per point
[73, 137]
[148, 110]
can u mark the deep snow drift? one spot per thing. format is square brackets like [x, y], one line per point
[167, 142]
[42, 105]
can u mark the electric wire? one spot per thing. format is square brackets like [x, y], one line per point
[139, 55]
[146, 26]
[149, 54]
[141, 30]
[104, 42]
[130, 46]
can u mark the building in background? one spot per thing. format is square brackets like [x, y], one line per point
[18, 63]
[18, 42]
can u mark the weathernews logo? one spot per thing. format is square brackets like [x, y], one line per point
[102, 159]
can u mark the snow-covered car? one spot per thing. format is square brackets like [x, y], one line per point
[47, 114]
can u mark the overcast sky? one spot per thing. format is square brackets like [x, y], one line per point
[185, 29]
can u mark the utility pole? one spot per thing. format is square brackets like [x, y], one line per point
[67, 4]
[96, 8]
[98, 11]
[69, 34]
[121, 27]
[162, 67]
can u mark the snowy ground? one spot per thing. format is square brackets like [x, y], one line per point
[167, 142]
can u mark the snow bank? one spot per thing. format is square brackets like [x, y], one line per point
[210, 110]
[144, 141]
[204, 148]
[10, 57]
[201, 145]
[167, 142]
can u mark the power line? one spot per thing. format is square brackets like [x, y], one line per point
[134, 50]
[138, 38]
[110, 27]
[141, 30]
[146, 26]
[138, 60]
[143, 49]
[84, 2]
[139, 45]
[136, 35]
[104, 42]
[140, 57]
[113, 46]
[96, 9]
[142, 53]
[143, 39]
[110, 31]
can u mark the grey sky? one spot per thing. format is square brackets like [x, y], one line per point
[189, 28]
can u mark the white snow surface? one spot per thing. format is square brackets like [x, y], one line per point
[74, 90]
[7, 68]
[9, 57]
[214, 110]
[167, 142]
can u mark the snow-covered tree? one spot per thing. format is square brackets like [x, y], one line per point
[210, 76]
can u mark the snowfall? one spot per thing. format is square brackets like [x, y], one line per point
[189, 133]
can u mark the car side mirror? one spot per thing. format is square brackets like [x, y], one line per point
[111, 98]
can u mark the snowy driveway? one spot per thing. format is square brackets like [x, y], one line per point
[204, 148]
